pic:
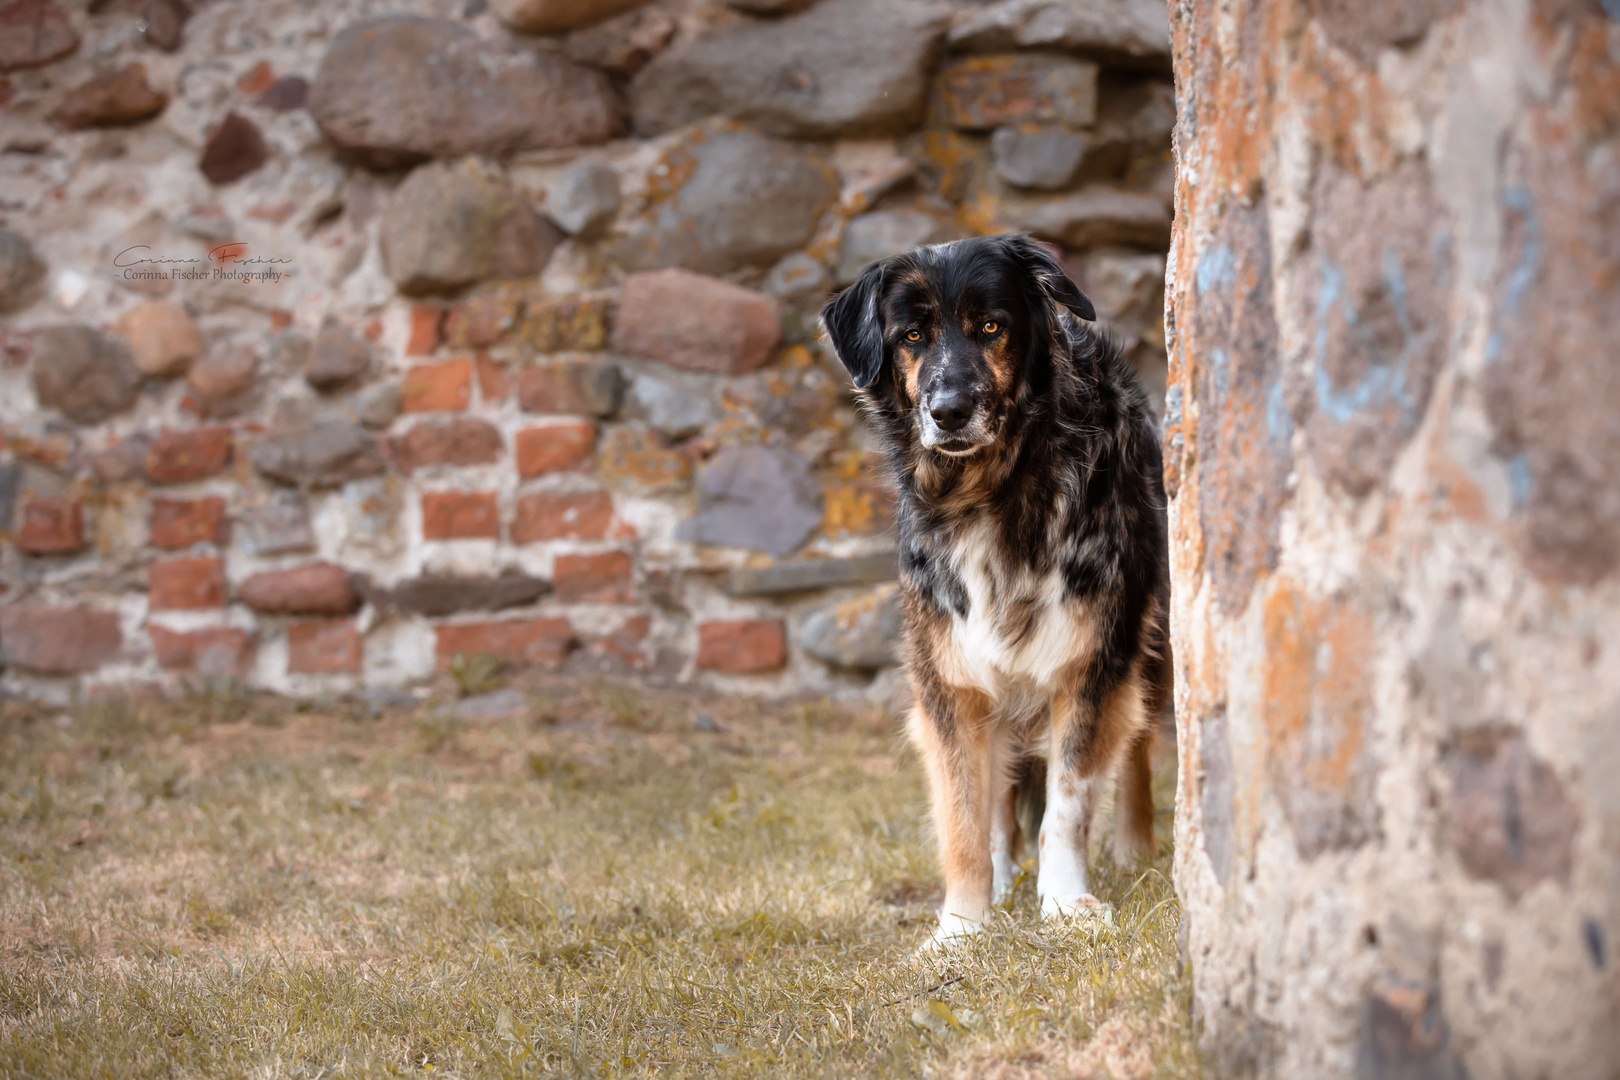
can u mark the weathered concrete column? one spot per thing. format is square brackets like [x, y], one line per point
[1394, 469]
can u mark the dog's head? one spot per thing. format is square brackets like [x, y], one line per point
[951, 337]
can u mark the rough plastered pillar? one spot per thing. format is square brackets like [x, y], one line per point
[1394, 472]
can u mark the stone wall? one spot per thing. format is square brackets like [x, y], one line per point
[1392, 443]
[344, 338]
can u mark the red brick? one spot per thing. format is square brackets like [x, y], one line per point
[462, 441]
[592, 579]
[425, 323]
[323, 647]
[316, 589]
[568, 388]
[552, 516]
[479, 322]
[696, 322]
[58, 640]
[455, 515]
[445, 387]
[742, 646]
[185, 584]
[626, 643]
[178, 457]
[51, 525]
[493, 381]
[179, 523]
[513, 641]
[555, 448]
[217, 650]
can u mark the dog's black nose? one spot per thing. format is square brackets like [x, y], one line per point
[951, 409]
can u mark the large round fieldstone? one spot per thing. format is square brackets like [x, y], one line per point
[881, 234]
[452, 224]
[845, 68]
[552, 16]
[759, 497]
[861, 633]
[745, 200]
[21, 271]
[83, 374]
[1117, 29]
[34, 32]
[324, 452]
[397, 90]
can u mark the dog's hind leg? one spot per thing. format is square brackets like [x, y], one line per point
[1133, 803]
[1004, 842]
[1087, 741]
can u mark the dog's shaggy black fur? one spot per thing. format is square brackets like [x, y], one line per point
[1032, 545]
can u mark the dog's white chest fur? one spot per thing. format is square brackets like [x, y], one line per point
[1019, 633]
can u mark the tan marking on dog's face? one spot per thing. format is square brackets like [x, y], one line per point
[995, 349]
[917, 336]
[908, 358]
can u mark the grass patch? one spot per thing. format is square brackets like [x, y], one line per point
[615, 884]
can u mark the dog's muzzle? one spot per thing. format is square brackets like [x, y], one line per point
[952, 422]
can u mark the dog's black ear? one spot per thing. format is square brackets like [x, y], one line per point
[855, 327]
[1043, 267]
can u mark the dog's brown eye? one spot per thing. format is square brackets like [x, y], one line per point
[913, 335]
[991, 326]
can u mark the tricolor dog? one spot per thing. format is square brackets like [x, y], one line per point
[1032, 554]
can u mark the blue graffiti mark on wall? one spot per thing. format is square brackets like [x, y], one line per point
[1279, 425]
[1395, 284]
[1217, 269]
[1223, 373]
[1529, 264]
[1525, 270]
[1382, 383]
[1326, 296]
[1522, 480]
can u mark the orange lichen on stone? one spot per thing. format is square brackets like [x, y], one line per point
[1316, 699]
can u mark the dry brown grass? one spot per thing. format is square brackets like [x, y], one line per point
[598, 886]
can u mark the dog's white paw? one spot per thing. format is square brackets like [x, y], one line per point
[952, 930]
[1084, 906]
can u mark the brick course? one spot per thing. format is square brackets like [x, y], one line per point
[542, 642]
[549, 516]
[741, 646]
[562, 447]
[451, 515]
[445, 387]
[217, 651]
[179, 457]
[324, 647]
[180, 523]
[186, 584]
[602, 578]
[52, 525]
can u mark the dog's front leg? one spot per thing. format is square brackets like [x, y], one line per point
[950, 726]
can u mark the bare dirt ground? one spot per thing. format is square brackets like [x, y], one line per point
[606, 881]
